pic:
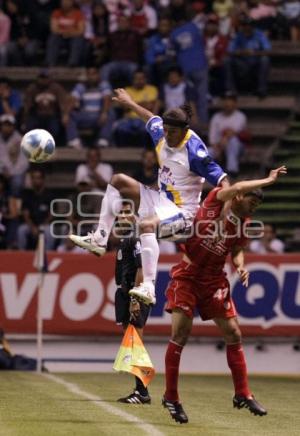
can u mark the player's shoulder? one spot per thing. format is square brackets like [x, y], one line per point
[195, 146]
[212, 197]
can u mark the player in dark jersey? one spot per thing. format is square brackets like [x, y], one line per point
[199, 282]
[128, 272]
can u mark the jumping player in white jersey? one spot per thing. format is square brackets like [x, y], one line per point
[184, 165]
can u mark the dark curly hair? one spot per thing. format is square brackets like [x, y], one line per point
[179, 117]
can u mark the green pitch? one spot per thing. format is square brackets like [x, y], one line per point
[33, 405]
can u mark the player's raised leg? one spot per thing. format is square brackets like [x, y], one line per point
[181, 328]
[237, 364]
[120, 187]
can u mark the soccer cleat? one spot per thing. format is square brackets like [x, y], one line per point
[250, 403]
[135, 398]
[145, 292]
[176, 410]
[89, 243]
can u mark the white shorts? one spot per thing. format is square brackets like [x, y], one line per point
[174, 222]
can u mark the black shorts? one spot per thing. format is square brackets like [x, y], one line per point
[122, 301]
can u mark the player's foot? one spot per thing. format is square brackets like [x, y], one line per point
[89, 243]
[135, 398]
[145, 292]
[250, 403]
[176, 410]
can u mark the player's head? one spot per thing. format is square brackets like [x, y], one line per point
[176, 124]
[245, 205]
[126, 218]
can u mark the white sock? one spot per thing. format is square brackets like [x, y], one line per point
[110, 207]
[150, 254]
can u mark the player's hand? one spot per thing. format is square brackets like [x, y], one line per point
[122, 97]
[134, 308]
[244, 276]
[274, 174]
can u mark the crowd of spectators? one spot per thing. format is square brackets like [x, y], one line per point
[165, 52]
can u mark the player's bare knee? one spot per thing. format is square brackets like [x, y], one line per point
[233, 335]
[181, 336]
[147, 226]
[118, 180]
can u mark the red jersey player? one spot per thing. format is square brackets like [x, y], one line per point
[199, 282]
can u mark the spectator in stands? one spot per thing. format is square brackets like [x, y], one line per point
[216, 47]
[98, 173]
[147, 173]
[86, 205]
[36, 212]
[223, 9]
[22, 48]
[198, 11]
[190, 50]
[268, 242]
[97, 49]
[177, 9]
[143, 17]
[248, 58]
[227, 134]
[130, 130]
[5, 25]
[10, 99]
[92, 109]
[159, 56]
[263, 14]
[40, 13]
[8, 216]
[125, 49]
[46, 105]
[290, 11]
[13, 164]
[116, 9]
[176, 92]
[67, 30]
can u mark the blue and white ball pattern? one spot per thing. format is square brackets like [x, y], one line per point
[38, 145]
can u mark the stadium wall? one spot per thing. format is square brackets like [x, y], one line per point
[78, 296]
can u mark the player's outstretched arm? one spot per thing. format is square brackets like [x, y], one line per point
[237, 256]
[123, 98]
[243, 187]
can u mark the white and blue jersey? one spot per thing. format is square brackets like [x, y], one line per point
[183, 169]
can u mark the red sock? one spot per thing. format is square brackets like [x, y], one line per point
[237, 364]
[172, 361]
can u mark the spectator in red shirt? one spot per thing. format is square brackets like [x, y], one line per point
[67, 30]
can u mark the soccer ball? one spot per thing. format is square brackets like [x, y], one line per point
[38, 145]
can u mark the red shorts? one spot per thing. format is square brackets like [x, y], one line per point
[211, 298]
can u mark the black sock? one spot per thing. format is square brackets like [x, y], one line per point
[140, 387]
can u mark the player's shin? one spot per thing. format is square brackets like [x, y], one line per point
[110, 207]
[172, 361]
[237, 364]
[149, 255]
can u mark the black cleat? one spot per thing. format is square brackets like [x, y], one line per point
[249, 403]
[135, 398]
[176, 410]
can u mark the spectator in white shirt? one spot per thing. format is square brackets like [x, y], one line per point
[13, 163]
[94, 169]
[228, 134]
[268, 243]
